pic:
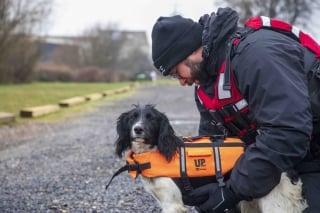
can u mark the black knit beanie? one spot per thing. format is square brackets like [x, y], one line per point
[174, 39]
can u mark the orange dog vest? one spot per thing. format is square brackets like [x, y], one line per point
[203, 156]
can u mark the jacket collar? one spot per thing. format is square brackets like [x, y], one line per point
[218, 30]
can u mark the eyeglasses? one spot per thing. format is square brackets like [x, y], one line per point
[175, 75]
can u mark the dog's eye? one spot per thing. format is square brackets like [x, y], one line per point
[135, 115]
[149, 116]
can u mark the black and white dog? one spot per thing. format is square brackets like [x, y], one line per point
[144, 128]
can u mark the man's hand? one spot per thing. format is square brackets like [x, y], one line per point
[220, 199]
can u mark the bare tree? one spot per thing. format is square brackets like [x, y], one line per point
[18, 20]
[294, 11]
[103, 46]
[120, 53]
[136, 62]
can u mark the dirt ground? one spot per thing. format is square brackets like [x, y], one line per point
[64, 167]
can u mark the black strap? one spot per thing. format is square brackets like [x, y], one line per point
[212, 138]
[186, 185]
[122, 169]
[130, 167]
[240, 34]
[229, 144]
[227, 71]
[216, 141]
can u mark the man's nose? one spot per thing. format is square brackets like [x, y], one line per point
[182, 81]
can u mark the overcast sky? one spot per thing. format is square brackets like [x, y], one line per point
[72, 17]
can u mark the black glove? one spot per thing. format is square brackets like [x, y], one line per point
[220, 198]
[194, 201]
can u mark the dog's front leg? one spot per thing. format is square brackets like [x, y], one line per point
[286, 197]
[165, 191]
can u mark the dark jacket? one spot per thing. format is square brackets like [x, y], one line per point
[269, 71]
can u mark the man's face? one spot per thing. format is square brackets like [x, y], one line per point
[187, 72]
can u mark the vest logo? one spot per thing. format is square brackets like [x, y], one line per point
[200, 164]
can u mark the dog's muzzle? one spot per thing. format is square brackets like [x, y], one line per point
[137, 131]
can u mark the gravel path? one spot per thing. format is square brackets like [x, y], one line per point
[64, 167]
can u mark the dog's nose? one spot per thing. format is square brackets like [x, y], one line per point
[138, 130]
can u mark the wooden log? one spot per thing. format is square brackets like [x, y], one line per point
[72, 101]
[122, 90]
[134, 85]
[116, 91]
[93, 96]
[38, 110]
[108, 92]
[6, 117]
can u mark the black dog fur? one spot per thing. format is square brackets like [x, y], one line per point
[155, 130]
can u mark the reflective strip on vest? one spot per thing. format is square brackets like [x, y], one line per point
[222, 93]
[200, 161]
[268, 22]
[241, 104]
[296, 31]
[265, 21]
[222, 97]
[306, 40]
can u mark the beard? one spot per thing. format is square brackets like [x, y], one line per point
[198, 73]
[195, 69]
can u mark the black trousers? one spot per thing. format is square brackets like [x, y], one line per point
[311, 191]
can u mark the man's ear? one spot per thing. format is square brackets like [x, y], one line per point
[196, 55]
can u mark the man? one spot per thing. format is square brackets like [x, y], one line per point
[267, 73]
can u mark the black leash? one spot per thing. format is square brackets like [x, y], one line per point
[130, 167]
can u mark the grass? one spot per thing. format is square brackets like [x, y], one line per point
[13, 98]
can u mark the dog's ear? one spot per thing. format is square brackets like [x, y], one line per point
[123, 141]
[168, 142]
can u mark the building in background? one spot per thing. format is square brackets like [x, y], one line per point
[113, 55]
